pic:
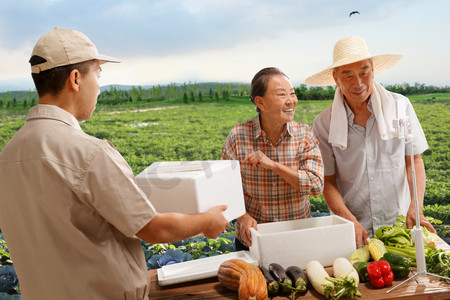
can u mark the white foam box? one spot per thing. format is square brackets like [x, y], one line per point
[194, 186]
[298, 242]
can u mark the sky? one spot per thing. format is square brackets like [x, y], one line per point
[177, 41]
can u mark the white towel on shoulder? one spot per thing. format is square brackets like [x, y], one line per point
[384, 107]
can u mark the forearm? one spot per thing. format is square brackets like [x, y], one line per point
[419, 169]
[173, 227]
[334, 200]
[288, 174]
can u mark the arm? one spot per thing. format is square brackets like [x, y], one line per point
[259, 159]
[245, 223]
[173, 227]
[308, 178]
[335, 202]
[420, 182]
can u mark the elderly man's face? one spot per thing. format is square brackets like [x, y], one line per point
[355, 81]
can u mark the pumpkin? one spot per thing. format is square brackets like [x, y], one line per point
[244, 278]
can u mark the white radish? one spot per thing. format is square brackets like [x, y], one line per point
[342, 268]
[318, 277]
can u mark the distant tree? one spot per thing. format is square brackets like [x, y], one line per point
[185, 98]
[210, 93]
[25, 103]
[240, 90]
[216, 96]
[200, 97]
[134, 94]
[192, 96]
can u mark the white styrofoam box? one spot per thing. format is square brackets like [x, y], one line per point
[297, 242]
[198, 269]
[194, 186]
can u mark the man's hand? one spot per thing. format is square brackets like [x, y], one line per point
[259, 159]
[361, 234]
[245, 223]
[217, 222]
[411, 220]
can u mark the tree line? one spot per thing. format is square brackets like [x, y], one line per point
[189, 92]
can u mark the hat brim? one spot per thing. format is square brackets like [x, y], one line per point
[380, 63]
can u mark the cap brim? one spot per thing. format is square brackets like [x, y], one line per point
[104, 59]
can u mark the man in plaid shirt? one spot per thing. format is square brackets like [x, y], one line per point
[280, 159]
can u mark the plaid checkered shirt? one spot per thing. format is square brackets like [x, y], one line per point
[268, 197]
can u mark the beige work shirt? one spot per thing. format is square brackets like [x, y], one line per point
[69, 211]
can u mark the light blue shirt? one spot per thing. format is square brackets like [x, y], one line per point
[371, 172]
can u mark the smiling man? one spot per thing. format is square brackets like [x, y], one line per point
[280, 159]
[367, 169]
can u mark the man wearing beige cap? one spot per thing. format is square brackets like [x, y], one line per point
[70, 209]
[366, 162]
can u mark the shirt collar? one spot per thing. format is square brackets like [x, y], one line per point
[45, 111]
[257, 131]
[351, 115]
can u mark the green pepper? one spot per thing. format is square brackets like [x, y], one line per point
[400, 265]
[361, 268]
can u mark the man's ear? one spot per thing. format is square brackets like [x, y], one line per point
[260, 103]
[335, 78]
[73, 81]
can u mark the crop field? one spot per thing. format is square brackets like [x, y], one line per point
[172, 130]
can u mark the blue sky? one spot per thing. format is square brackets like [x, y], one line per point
[160, 42]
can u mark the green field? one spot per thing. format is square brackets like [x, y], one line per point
[171, 130]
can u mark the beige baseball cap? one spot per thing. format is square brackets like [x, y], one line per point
[62, 47]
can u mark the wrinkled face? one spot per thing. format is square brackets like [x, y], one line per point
[355, 81]
[89, 91]
[279, 100]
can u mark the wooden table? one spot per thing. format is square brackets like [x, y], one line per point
[421, 287]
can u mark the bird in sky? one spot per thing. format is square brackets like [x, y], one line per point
[354, 12]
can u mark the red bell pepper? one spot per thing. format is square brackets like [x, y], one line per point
[380, 273]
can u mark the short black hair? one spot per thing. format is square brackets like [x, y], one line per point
[52, 81]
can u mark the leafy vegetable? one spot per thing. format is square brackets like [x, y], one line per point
[360, 255]
[438, 262]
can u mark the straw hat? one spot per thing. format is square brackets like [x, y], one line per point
[350, 50]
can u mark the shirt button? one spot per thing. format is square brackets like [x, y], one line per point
[374, 198]
[375, 219]
[370, 158]
[275, 220]
[274, 184]
[371, 179]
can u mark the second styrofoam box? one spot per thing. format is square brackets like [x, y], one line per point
[297, 242]
[194, 186]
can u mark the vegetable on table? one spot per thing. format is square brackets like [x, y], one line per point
[319, 278]
[343, 284]
[400, 265]
[246, 279]
[346, 279]
[376, 248]
[438, 262]
[279, 274]
[360, 255]
[380, 273]
[299, 280]
[361, 268]
[272, 285]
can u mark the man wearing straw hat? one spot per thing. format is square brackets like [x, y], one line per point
[70, 208]
[367, 169]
